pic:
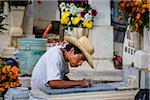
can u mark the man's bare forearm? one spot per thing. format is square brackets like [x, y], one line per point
[62, 84]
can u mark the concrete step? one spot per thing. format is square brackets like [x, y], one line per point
[7, 52]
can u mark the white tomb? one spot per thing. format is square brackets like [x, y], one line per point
[102, 38]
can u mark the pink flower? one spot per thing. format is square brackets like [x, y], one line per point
[119, 58]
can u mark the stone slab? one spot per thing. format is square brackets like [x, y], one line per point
[103, 95]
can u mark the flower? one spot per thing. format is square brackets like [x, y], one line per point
[73, 15]
[9, 76]
[87, 24]
[76, 20]
[65, 17]
[136, 12]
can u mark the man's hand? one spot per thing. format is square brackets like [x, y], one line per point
[84, 83]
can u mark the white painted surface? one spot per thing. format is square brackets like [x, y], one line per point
[16, 20]
[17, 15]
[141, 59]
[103, 11]
[102, 95]
[146, 39]
[5, 39]
[130, 45]
[7, 51]
[118, 47]
[102, 39]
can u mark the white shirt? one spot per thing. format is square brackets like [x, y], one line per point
[51, 66]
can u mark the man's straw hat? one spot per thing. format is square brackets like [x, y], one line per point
[85, 45]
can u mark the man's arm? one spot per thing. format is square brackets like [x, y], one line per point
[62, 84]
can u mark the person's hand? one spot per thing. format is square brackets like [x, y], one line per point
[84, 83]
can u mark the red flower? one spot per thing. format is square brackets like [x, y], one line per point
[82, 13]
[94, 12]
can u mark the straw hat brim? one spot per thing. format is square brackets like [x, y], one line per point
[84, 51]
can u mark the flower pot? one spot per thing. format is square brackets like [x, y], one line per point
[78, 32]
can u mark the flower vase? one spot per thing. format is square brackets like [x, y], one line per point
[68, 31]
[78, 32]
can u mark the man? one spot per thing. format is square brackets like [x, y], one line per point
[53, 65]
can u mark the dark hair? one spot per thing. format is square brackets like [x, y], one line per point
[70, 45]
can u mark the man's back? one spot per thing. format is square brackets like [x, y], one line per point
[51, 66]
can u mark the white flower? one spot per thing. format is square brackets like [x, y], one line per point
[67, 5]
[62, 5]
[78, 14]
[82, 19]
[90, 11]
[72, 18]
[67, 9]
[71, 5]
[62, 13]
[88, 17]
[69, 23]
[63, 9]
[74, 10]
[80, 9]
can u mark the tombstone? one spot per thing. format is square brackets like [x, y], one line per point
[130, 45]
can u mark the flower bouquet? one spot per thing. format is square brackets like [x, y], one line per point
[76, 16]
[8, 76]
[136, 12]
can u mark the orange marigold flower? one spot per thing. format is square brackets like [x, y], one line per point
[8, 68]
[1, 89]
[4, 70]
[137, 9]
[146, 6]
[3, 77]
[10, 73]
[143, 11]
[132, 4]
[137, 3]
[133, 9]
[122, 5]
[13, 77]
[138, 16]
[127, 4]
[130, 15]
[15, 69]
[136, 25]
